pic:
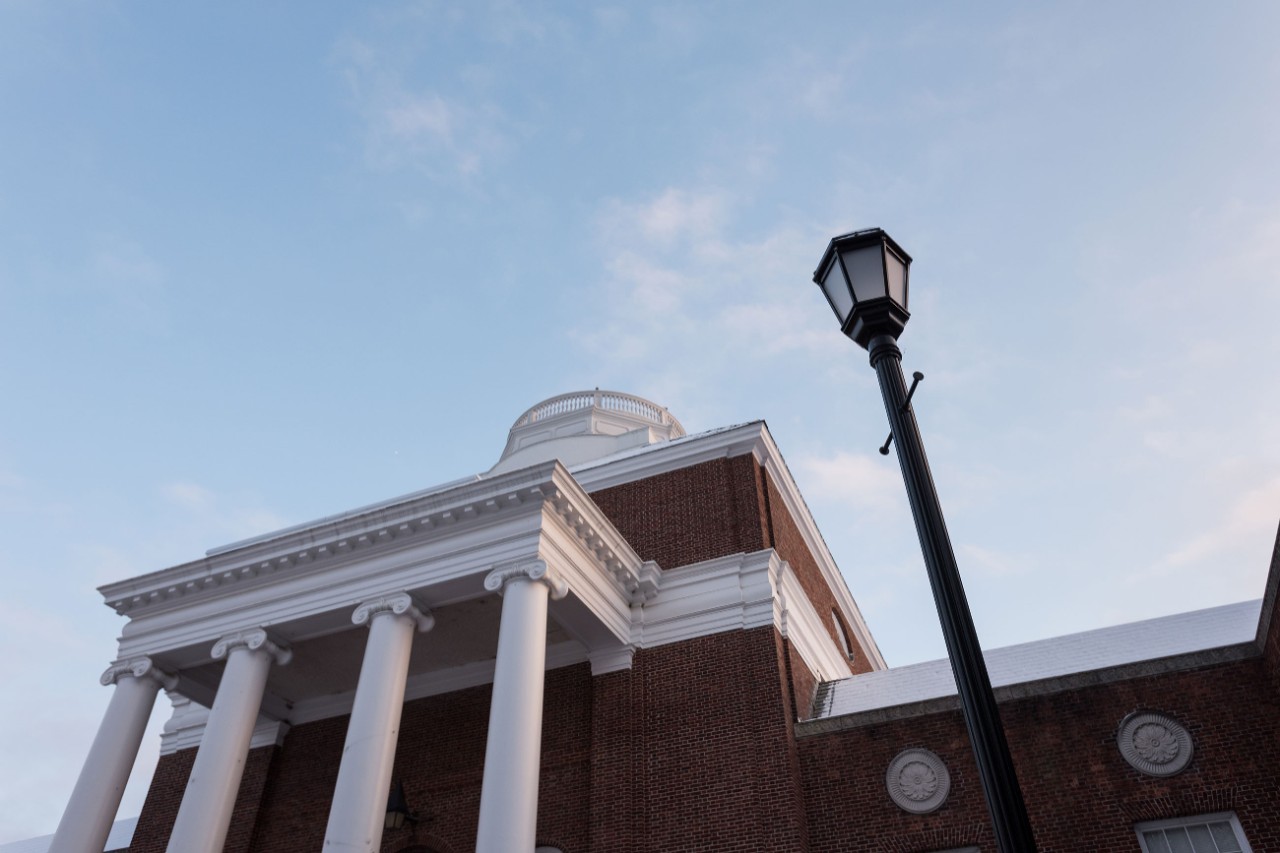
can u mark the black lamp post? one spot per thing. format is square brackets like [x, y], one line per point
[864, 277]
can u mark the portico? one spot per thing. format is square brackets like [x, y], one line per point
[475, 643]
[271, 631]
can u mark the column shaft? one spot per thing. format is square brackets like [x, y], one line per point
[205, 813]
[87, 821]
[509, 798]
[364, 777]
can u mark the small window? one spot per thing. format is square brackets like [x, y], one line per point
[1215, 833]
[841, 634]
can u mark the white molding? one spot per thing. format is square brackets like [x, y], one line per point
[753, 438]
[395, 604]
[807, 630]
[539, 514]
[738, 592]
[185, 728]
[138, 667]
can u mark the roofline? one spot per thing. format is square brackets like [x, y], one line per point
[728, 442]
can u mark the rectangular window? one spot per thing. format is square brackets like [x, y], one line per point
[1214, 833]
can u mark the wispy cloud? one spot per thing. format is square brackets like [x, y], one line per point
[857, 481]
[229, 518]
[682, 288]
[415, 126]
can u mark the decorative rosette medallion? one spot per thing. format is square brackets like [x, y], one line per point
[917, 781]
[1155, 744]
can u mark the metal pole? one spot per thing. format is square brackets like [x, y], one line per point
[981, 717]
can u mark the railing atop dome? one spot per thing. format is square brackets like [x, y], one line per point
[610, 401]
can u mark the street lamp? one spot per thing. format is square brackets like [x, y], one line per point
[864, 277]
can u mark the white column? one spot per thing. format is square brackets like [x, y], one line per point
[96, 797]
[509, 796]
[359, 807]
[205, 813]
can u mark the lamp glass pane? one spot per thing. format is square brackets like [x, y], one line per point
[866, 271]
[897, 274]
[837, 292]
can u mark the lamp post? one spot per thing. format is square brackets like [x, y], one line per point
[864, 277]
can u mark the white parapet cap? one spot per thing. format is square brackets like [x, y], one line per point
[1037, 665]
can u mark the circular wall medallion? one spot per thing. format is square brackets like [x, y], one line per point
[917, 781]
[1155, 744]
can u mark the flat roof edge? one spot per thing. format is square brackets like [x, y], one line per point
[1029, 689]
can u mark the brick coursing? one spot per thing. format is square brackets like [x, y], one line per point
[167, 786]
[669, 755]
[694, 748]
[1080, 793]
[697, 513]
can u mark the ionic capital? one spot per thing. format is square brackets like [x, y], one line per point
[396, 604]
[531, 570]
[254, 640]
[142, 667]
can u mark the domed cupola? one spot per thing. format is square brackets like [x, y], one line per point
[585, 425]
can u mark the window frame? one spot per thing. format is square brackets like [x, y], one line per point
[1193, 820]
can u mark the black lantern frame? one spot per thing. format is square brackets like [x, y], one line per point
[864, 275]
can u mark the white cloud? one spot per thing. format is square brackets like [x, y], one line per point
[861, 482]
[1252, 515]
[991, 562]
[188, 495]
[220, 518]
[420, 128]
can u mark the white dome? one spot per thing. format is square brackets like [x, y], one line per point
[585, 425]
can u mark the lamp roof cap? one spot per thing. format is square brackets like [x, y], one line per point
[854, 240]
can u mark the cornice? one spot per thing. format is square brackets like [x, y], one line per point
[753, 438]
[399, 522]
[738, 592]
[386, 529]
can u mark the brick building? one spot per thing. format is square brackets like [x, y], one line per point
[624, 638]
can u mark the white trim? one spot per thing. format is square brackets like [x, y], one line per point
[729, 442]
[737, 592]
[1194, 820]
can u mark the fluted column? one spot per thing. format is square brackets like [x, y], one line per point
[359, 807]
[91, 811]
[509, 797]
[205, 813]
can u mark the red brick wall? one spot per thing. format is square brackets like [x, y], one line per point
[719, 768]
[671, 755]
[787, 540]
[440, 759]
[690, 515]
[1080, 792]
[802, 681]
[165, 794]
[725, 506]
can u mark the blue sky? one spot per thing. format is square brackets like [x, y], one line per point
[260, 263]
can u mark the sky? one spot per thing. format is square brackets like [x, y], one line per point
[262, 262]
